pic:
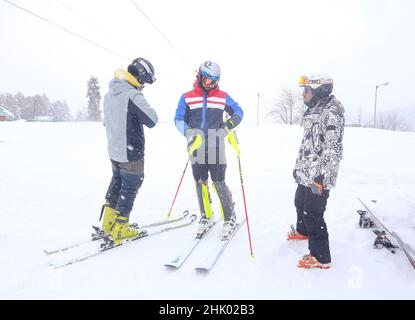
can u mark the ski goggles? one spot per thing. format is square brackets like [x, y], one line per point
[313, 83]
[209, 76]
[306, 82]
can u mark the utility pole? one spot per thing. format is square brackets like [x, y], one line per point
[376, 99]
[257, 113]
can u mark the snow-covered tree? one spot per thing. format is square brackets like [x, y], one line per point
[80, 116]
[94, 100]
[60, 111]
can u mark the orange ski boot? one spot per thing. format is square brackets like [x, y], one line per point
[295, 235]
[310, 262]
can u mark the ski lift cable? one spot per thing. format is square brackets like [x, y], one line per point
[66, 30]
[93, 24]
[162, 34]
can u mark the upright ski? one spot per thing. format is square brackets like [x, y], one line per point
[180, 259]
[98, 234]
[210, 260]
[107, 244]
[394, 236]
[405, 249]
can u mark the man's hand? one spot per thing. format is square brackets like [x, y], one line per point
[228, 126]
[317, 186]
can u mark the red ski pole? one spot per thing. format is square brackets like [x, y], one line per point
[235, 144]
[178, 188]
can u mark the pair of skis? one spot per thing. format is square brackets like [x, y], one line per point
[209, 260]
[99, 234]
[106, 243]
[385, 232]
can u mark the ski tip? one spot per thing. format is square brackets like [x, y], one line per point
[201, 270]
[171, 266]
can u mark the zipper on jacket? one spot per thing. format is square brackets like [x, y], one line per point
[202, 125]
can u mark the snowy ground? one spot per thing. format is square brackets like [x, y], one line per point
[54, 177]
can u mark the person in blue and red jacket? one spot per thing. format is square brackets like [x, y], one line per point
[200, 118]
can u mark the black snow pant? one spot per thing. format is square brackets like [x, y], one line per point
[127, 178]
[217, 170]
[310, 221]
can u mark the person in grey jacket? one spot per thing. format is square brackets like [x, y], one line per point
[126, 111]
[316, 167]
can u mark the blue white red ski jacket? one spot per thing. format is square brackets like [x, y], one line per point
[198, 109]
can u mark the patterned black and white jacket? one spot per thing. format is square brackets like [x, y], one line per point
[322, 146]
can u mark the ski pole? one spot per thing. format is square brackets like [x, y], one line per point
[233, 140]
[178, 188]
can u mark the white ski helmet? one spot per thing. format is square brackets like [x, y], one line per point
[320, 84]
[209, 69]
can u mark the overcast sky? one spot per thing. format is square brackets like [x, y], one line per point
[260, 45]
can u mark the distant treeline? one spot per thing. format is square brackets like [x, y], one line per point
[32, 108]
[29, 108]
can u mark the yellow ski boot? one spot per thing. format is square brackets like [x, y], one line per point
[110, 215]
[122, 230]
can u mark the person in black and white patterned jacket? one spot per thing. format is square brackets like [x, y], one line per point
[317, 167]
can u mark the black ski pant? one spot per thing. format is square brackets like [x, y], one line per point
[127, 178]
[216, 167]
[310, 221]
[217, 170]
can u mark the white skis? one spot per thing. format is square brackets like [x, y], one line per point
[210, 260]
[179, 259]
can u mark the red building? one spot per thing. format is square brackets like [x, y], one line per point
[5, 114]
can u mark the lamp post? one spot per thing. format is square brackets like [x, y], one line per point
[376, 98]
[257, 112]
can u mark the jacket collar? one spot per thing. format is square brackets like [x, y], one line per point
[200, 91]
[121, 74]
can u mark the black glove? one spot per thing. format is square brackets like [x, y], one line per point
[230, 124]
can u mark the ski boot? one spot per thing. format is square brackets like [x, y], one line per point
[228, 228]
[110, 215]
[204, 200]
[382, 241]
[310, 262]
[365, 221]
[204, 226]
[122, 230]
[295, 235]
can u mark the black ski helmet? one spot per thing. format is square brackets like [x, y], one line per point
[142, 70]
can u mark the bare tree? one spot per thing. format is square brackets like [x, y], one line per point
[289, 107]
[393, 121]
[359, 117]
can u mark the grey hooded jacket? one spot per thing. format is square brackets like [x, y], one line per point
[322, 145]
[125, 112]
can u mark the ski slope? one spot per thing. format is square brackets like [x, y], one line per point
[54, 177]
